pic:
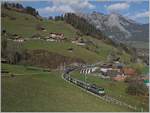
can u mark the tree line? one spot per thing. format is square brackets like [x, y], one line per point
[88, 29]
[28, 9]
[12, 52]
[56, 18]
[83, 25]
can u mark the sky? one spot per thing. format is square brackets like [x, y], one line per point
[137, 10]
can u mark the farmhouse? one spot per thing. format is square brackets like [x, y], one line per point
[18, 39]
[110, 72]
[79, 41]
[57, 36]
[123, 74]
[113, 70]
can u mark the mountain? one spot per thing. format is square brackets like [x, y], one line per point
[118, 27]
[23, 25]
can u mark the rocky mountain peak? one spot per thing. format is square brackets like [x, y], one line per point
[116, 26]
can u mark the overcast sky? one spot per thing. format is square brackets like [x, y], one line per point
[134, 9]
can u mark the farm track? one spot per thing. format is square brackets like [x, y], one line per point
[106, 98]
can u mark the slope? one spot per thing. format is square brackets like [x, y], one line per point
[25, 26]
[46, 92]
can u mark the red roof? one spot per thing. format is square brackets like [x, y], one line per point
[129, 71]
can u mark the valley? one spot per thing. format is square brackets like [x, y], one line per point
[36, 51]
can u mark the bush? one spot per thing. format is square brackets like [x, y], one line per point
[138, 67]
[137, 88]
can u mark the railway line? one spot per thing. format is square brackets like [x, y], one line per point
[104, 97]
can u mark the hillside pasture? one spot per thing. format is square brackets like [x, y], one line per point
[46, 91]
[116, 90]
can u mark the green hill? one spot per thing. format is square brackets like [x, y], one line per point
[25, 25]
[36, 90]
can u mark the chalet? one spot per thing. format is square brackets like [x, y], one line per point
[113, 73]
[113, 70]
[55, 37]
[19, 39]
[58, 36]
[110, 71]
[48, 38]
[79, 41]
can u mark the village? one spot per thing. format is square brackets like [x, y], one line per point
[72, 61]
[115, 71]
[52, 37]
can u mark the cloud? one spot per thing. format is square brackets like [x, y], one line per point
[136, 1]
[142, 15]
[118, 6]
[60, 9]
[64, 6]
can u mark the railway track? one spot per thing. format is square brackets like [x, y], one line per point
[106, 97]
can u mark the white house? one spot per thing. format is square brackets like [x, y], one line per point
[19, 40]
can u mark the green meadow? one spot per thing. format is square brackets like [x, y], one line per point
[46, 91]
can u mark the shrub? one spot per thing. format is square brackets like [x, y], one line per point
[136, 88]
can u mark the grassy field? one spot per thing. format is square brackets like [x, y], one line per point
[116, 89]
[62, 48]
[46, 91]
[78, 52]
[27, 28]
[37, 90]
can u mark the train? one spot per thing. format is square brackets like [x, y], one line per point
[85, 85]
